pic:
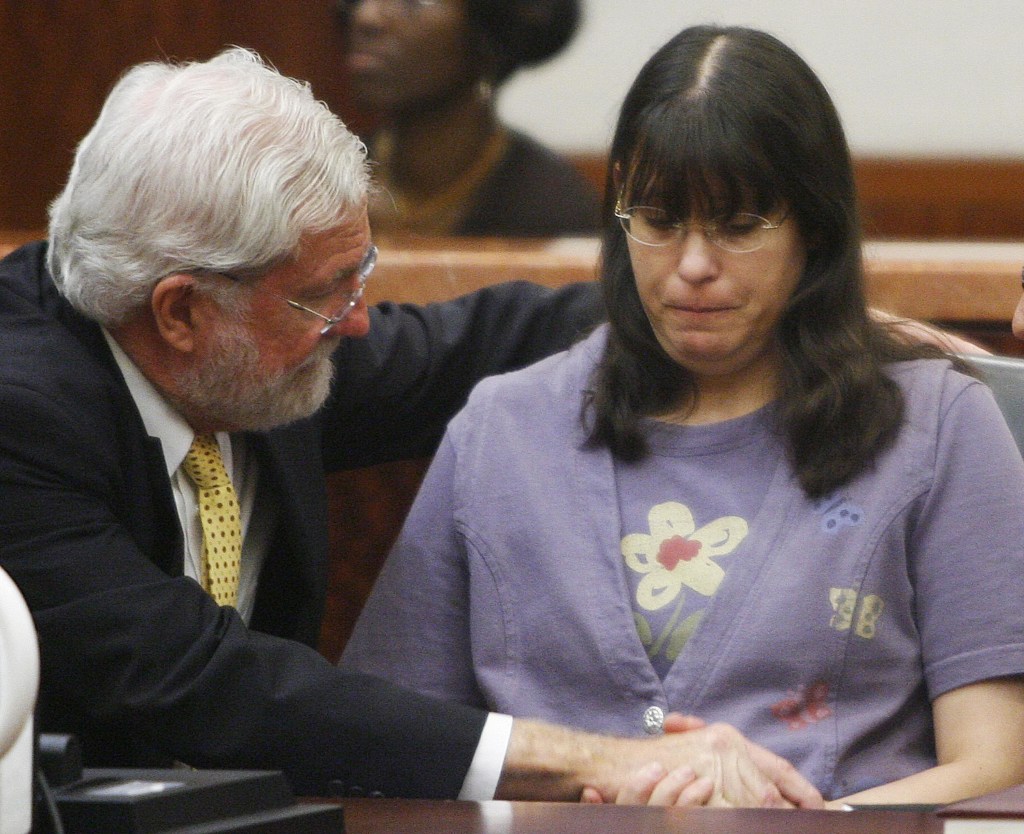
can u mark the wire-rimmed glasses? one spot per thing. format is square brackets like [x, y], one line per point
[366, 266]
[740, 233]
[349, 300]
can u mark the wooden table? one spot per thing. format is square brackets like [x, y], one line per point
[398, 816]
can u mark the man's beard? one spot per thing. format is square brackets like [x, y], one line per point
[231, 390]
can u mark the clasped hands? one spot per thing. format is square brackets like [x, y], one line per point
[722, 769]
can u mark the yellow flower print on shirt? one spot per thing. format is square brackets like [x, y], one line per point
[675, 553]
[672, 555]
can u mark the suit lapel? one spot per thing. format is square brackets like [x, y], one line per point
[152, 517]
[293, 582]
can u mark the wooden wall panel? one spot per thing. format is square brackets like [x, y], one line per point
[979, 199]
[367, 508]
[924, 199]
[60, 58]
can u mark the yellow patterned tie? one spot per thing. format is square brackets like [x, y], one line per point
[219, 517]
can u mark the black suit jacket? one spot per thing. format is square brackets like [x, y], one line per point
[137, 660]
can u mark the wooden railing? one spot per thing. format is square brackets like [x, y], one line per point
[956, 282]
[962, 284]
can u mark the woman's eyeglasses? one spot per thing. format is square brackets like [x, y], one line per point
[742, 232]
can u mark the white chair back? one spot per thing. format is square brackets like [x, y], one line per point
[1005, 376]
[19, 685]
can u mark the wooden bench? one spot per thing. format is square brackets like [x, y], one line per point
[961, 284]
[954, 282]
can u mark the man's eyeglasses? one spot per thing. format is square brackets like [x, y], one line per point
[743, 232]
[349, 300]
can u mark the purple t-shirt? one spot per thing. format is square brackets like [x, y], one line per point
[831, 627]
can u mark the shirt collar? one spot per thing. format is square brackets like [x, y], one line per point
[158, 416]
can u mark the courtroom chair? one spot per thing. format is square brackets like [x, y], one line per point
[1005, 376]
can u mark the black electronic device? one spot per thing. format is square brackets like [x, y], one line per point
[184, 801]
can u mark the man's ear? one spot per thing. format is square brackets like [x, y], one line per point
[174, 306]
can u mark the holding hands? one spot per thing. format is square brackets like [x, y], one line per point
[722, 769]
[691, 764]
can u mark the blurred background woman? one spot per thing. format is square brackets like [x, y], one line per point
[428, 72]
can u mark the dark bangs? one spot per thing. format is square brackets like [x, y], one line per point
[693, 159]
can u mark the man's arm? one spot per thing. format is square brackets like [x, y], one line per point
[397, 389]
[915, 331]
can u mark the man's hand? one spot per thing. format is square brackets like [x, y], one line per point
[795, 789]
[547, 762]
[742, 773]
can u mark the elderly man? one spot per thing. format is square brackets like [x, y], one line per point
[179, 367]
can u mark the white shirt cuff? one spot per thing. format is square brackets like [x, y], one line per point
[481, 781]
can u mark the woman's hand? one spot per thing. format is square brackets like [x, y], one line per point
[681, 786]
[652, 785]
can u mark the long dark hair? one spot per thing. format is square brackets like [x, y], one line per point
[720, 120]
[512, 34]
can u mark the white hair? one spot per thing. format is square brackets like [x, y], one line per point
[220, 165]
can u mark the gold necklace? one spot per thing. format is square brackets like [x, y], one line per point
[394, 210]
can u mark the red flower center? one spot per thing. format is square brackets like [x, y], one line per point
[677, 549]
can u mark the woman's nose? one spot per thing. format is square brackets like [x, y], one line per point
[698, 256]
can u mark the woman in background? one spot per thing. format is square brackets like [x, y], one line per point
[745, 498]
[428, 70]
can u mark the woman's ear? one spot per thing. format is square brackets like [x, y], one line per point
[617, 177]
[173, 304]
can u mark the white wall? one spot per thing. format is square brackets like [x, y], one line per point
[909, 77]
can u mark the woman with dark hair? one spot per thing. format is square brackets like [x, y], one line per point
[745, 498]
[428, 70]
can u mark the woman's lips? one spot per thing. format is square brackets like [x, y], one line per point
[701, 309]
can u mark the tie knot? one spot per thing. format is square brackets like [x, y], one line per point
[203, 463]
